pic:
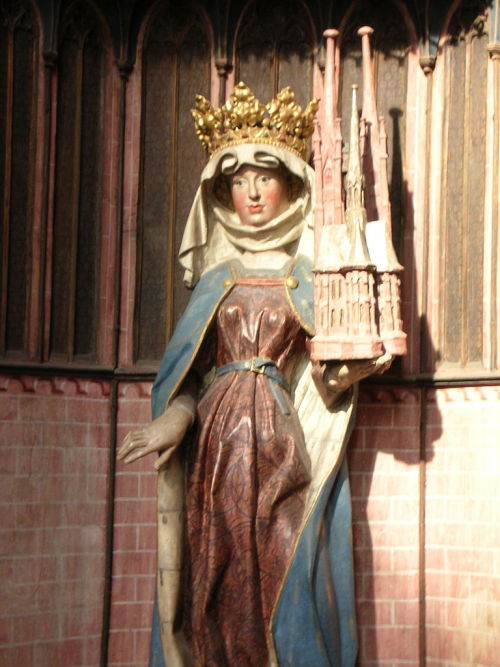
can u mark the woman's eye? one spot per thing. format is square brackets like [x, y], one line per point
[238, 182]
[264, 179]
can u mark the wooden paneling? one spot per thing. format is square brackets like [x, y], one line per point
[275, 48]
[18, 68]
[176, 67]
[463, 189]
[79, 161]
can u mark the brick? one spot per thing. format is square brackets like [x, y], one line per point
[448, 644]
[147, 537]
[382, 560]
[97, 488]
[393, 534]
[82, 622]
[470, 560]
[30, 628]
[146, 588]
[31, 569]
[400, 643]
[435, 558]
[135, 413]
[130, 616]
[374, 415]
[134, 562]
[125, 588]
[18, 656]
[443, 585]
[394, 440]
[88, 411]
[362, 460]
[68, 653]
[20, 541]
[7, 635]
[127, 485]
[371, 613]
[406, 613]
[98, 435]
[395, 586]
[134, 511]
[142, 644]
[405, 560]
[147, 484]
[125, 538]
[64, 435]
[42, 409]
[121, 646]
[9, 407]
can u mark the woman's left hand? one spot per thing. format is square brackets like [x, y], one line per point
[333, 378]
[343, 374]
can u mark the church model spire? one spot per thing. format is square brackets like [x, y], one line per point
[356, 282]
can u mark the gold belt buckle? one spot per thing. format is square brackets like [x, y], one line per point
[256, 369]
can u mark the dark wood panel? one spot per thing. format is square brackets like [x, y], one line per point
[176, 67]
[21, 204]
[5, 122]
[64, 197]
[78, 187]
[473, 332]
[275, 48]
[194, 78]
[90, 203]
[159, 82]
[452, 284]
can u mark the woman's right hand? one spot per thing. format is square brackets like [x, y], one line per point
[163, 435]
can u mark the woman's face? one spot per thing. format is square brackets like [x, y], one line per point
[259, 195]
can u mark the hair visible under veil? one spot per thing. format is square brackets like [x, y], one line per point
[214, 233]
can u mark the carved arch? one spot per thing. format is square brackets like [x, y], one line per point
[275, 46]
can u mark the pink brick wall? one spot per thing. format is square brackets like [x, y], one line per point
[384, 473]
[54, 474]
[55, 438]
[463, 528]
[134, 539]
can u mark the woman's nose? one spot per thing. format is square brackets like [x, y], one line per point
[253, 191]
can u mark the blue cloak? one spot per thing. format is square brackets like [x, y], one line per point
[313, 623]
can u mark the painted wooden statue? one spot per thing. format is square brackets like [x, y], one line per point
[254, 523]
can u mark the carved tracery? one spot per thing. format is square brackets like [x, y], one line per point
[275, 48]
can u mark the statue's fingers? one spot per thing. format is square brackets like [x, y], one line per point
[163, 459]
[137, 453]
[131, 440]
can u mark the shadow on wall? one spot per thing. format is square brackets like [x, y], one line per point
[387, 457]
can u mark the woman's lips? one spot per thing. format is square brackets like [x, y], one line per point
[257, 208]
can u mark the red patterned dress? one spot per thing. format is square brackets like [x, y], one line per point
[247, 479]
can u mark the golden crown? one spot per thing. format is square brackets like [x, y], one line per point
[243, 119]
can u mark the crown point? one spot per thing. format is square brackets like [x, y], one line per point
[243, 119]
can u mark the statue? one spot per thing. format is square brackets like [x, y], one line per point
[254, 523]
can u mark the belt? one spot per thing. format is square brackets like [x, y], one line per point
[266, 367]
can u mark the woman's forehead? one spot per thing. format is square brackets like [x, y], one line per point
[248, 169]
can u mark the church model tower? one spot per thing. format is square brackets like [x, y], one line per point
[356, 273]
